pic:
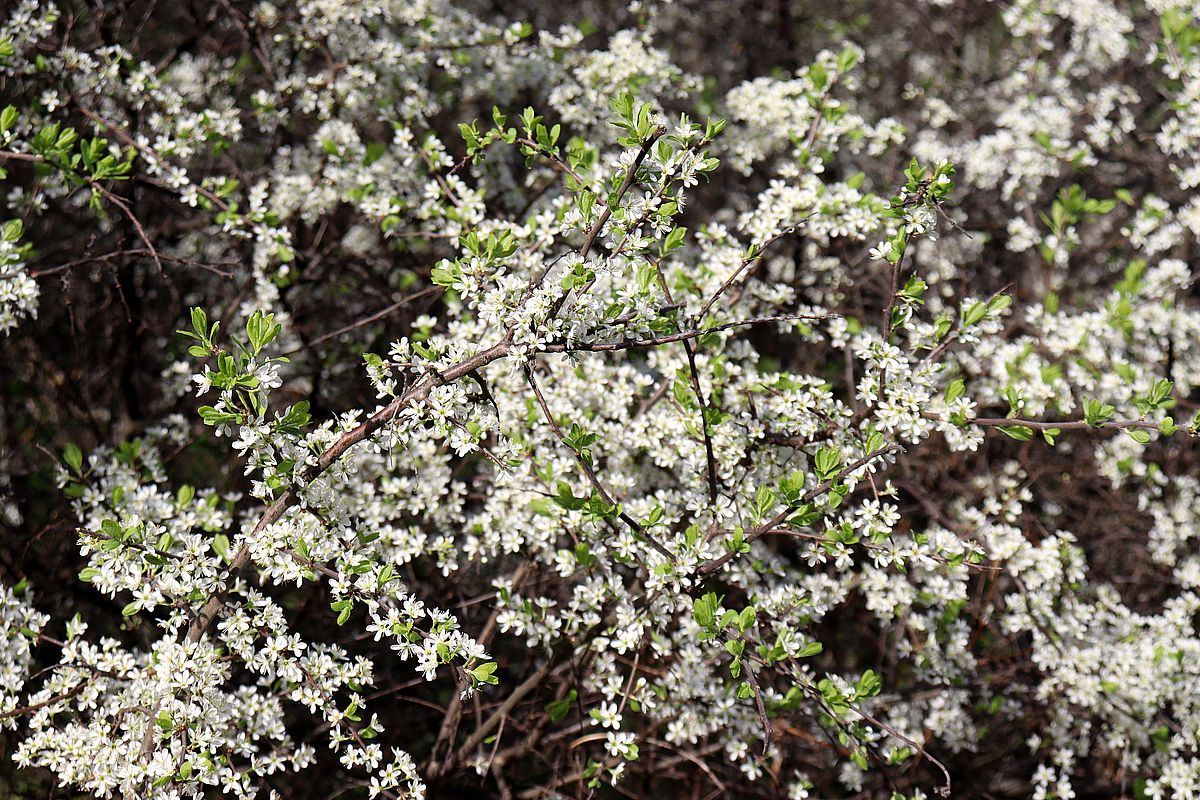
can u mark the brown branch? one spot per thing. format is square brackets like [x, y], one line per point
[590, 473]
[709, 456]
[12, 155]
[594, 231]
[590, 239]
[97, 187]
[137, 251]
[373, 423]
[745, 263]
[554, 160]
[816, 537]
[241, 558]
[655, 341]
[488, 725]
[754, 533]
[1066, 425]
[378, 315]
[120, 203]
[453, 715]
[752, 679]
[943, 790]
[18, 712]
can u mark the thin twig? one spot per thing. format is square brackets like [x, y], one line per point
[655, 341]
[754, 533]
[378, 315]
[1066, 425]
[590, 473]
[752, 679]
[137, 251]
[18, 712]
[745, 263]
[625, 184]
[709, 456]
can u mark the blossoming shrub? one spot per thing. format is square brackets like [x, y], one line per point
[707, 400]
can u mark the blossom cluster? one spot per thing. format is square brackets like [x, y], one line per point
[529, 409]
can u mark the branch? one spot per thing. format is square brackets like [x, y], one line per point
[590, 239]
[816, 537]
[97, 187]
[709, 455]
[712, 565]
[943, 790]
[136, 251]
[481, 733]
[1066, 425]
[18, 712]
[241, 558]
[378, 315]
[752, 679]
[605, 215]
[747, 262]
[327, 459]
[589, 472]
[12, 155]
[655, 341]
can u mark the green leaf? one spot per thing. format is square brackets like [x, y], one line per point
[261, 328]
[296, 418]
[567, 499]
[674, 240]
[847, 59]
[868, 685]
[827, 462]
[74, 458]
[558, 710]
[199, 321]
[213, 417]
[999, 303]
[955, 390]
[764, 501]
[973, 313]
[484, 673]
[446, 276]
[745, 620]
[12, 230]
[1160, 391]
[1018, 432]
[1096, 412]
[704, 609]
[818, 76]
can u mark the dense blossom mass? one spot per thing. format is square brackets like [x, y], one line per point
[676, 399]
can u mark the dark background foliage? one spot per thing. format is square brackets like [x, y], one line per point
[89, 369]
